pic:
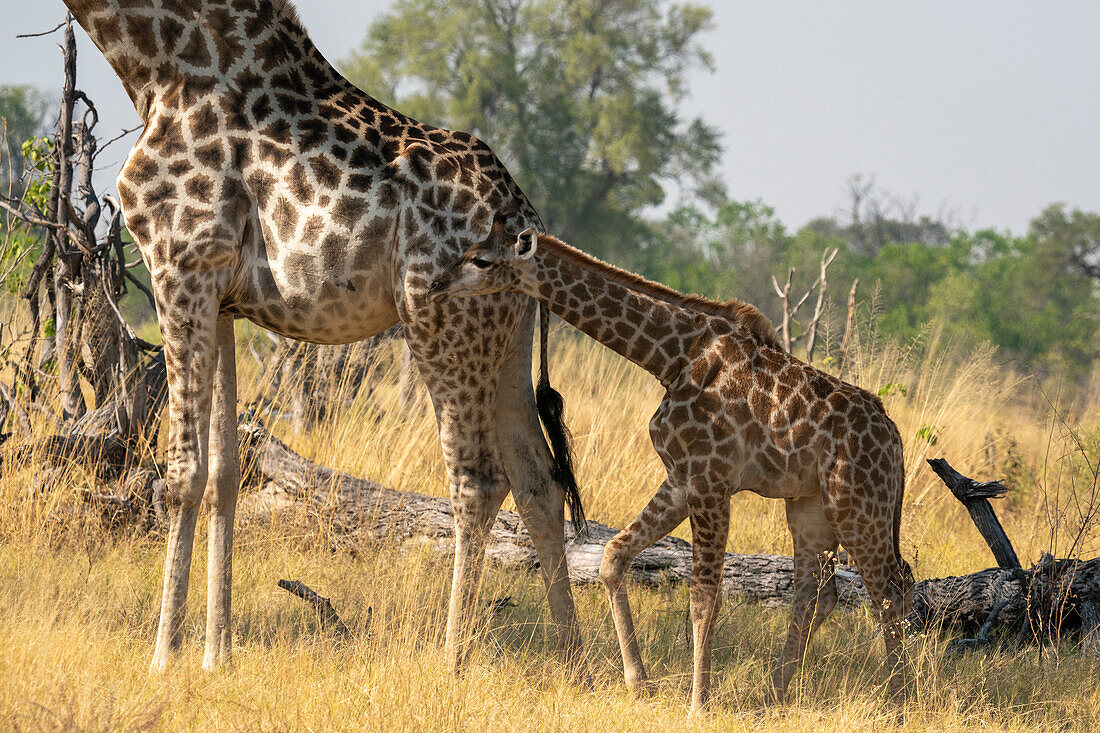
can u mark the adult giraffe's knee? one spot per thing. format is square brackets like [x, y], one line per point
[185, 483]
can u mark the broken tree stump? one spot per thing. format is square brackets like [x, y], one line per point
[975, 497]
[1044, 601]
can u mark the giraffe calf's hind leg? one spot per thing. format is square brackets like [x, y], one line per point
[815, 593]
[889, 585]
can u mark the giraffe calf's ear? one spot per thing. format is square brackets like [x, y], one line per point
[526, 244]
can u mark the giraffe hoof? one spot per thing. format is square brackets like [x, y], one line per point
[159, 663]
[641, 688]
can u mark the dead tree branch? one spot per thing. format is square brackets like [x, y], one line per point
[849, 330]
[791, 308]
[822, 285]
[975, 497]
[330, 620]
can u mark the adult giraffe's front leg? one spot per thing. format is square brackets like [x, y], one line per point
[187, 308]
[220, 498]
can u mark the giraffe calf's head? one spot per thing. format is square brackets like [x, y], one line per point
[491, 266]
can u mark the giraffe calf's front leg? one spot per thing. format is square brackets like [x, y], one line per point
[664, 512]
[612, 573]
[710, 521]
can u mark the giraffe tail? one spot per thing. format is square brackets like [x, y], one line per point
[907, 579]
[551, 410]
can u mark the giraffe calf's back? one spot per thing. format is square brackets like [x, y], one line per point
[758, 419]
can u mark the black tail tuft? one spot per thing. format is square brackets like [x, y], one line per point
[551, 410]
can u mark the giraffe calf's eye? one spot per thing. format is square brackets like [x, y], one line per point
[480, 263]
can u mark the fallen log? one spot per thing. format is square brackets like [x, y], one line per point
[363, 511]
[1040, 603]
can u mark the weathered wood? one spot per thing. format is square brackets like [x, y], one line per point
[361, 511]
[330, 620]
[1089, 609]
[975, 497]
[984, 638]
[849, 330]
[1043, 602]
[66, 319]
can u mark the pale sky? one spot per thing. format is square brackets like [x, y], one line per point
[987, 109]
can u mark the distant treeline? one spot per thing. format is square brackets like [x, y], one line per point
[1031, 296]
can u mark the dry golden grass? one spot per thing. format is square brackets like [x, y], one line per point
[78, 601]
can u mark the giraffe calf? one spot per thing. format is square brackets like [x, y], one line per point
[738, 414]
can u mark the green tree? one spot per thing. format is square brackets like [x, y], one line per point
[580, 98]
[22, 109]
[1020, 295]
[730, 253]
[1071, 236]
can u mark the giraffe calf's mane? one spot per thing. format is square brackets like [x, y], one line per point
[733, 309]
[289, 13]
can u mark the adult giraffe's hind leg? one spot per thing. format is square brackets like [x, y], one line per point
[188, 310]
[459, 354]
[539, 499]
[815, 593]
[221, 498]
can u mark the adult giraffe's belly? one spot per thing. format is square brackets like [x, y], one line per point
[334, 289]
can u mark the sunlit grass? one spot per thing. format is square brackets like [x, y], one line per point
[78, 600]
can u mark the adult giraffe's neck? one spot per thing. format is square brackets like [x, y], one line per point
[163, 48]
[614, 307]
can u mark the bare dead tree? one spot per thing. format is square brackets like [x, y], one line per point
[67, 263]
[82, 277]
[819, 307]
[791, 307]
[849, 329]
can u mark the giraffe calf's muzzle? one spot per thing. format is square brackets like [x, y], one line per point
[436, 290]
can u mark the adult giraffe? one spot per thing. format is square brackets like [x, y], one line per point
[266, 185]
